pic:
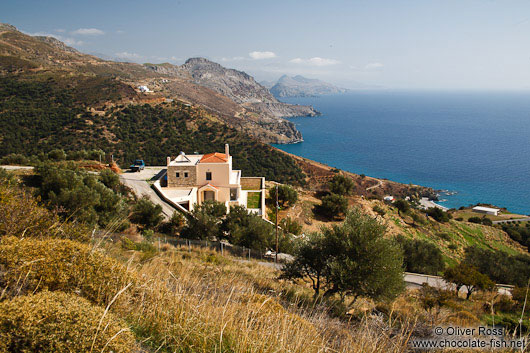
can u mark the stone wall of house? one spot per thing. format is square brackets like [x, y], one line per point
[173, 181]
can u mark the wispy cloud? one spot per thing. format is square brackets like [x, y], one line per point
[127, 56]
[373, 66]
[88, 32]
[316, 61]
[259, 55]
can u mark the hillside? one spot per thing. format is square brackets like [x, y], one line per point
[39, 113]
[24, 54]
[451, 237]
[130, 291]
[299, 86]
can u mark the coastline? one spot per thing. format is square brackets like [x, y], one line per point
[365, 133]
[426, 203]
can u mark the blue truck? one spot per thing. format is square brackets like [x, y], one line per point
[137, 166]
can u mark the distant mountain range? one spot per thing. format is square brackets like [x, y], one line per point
[299, 86]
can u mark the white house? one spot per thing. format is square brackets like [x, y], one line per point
[389, 199]
[192, 179]
[144, 89]
[486, 210]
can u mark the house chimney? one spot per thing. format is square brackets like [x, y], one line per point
[168, 160]
[227, 150]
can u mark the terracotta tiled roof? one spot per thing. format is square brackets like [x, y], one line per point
[214, 158]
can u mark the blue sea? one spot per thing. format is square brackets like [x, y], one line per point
[476, 144]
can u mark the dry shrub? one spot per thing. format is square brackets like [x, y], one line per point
[29, 265]
[166, 247]
[22, 216]
[463, 318]
[59, 322]
[187, 304]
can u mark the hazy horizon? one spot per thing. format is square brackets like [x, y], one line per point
[412, 45]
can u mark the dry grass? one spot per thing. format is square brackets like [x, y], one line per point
[199, 301]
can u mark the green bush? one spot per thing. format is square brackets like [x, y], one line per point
[420, 256]
[57, 155]
[79, 194]
[351, 259]
[22, 216]
[475, 220]
[487, 222]
[146, 213]
[287, 195]
[203, 221]
[510, 269]
[464, 275]
[333, 206]
[438, 214]
[247, 229]
[60, 265]
[174, 225]
[403, 206]
[58, 322]
[341, 185]
[14, 159]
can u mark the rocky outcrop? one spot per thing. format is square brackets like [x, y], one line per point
[166, 69]
[57, 43]
[241, 88]
[7, 27]
[299, 86]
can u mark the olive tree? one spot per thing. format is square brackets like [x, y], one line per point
[287, 195]
[464, 275]
[352, 259]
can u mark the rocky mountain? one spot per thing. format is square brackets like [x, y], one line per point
[242, 89]
[254, 111]
[299, 86]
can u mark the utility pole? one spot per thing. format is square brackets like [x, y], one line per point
[277, 207]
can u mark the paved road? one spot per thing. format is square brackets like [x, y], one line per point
[526, 219]
[15, 167]
[138, 182]
[413, 280]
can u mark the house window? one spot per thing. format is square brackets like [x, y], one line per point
[185, 174]
[208, 175]
[178, 175]
[233, 194]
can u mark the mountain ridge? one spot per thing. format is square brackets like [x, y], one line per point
[21, 53]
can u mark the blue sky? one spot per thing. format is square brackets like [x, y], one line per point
[396, 44]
